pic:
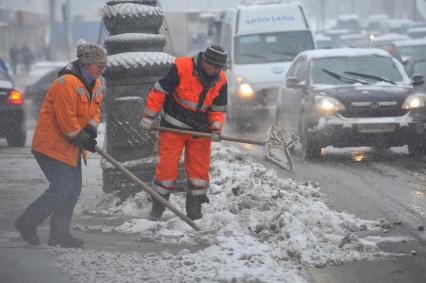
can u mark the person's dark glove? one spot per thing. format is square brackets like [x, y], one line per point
[85, 140]
[215, 136]
[91, 130]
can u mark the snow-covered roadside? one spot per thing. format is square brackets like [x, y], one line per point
[260, 228]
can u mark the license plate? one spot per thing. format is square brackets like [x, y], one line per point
[376, 128]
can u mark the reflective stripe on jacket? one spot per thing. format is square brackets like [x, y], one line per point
[67, 108]
[189, 99]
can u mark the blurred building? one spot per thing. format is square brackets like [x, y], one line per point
[21, 27]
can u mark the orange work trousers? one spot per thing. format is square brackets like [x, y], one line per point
[196, 162]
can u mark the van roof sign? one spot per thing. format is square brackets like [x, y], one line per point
[270, 18]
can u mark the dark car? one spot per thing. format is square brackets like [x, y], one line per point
[416, 68]
[12, 114]
[350, 97]
[37, 91]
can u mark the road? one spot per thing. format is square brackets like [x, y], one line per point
[371, 185]
[363, 182]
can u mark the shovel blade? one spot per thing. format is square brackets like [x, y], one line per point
[278, 148]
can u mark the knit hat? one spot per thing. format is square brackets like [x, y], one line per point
[90, 53]
[215, 55]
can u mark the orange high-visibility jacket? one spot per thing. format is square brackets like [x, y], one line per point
[67, 109]
[189, 99]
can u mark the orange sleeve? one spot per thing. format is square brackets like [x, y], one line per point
[216, 120]
[65, 106]
[154, 103]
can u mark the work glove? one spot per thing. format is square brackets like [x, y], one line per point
[146, 123]
[85, 140]
[215, 136]
[91, 130]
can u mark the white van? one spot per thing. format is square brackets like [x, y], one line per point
[261, 40]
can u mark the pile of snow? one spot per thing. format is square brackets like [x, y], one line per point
[257, 226]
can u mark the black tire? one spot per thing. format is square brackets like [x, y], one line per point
[415, 150]
[134, 42]
[132, 18]
[137, 65]
[125, 139]
[17, 139]
[310, 147]
[141, 2]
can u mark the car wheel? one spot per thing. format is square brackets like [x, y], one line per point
[137, 65]
[134, 42]
[416, 150]
[17, 139]
[132, 18]
[311, 149]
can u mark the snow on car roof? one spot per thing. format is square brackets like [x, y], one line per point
[378, 17]
[391, 37]
[348, 17]
[411, 42]
[352, 36]
[418, 29]
[322, 37]
[345, 52]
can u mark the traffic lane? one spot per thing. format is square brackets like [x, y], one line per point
[378, 185]
[390, 185]
[364, 181]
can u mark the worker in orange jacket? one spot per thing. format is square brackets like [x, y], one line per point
[192, 96]
[66, 128]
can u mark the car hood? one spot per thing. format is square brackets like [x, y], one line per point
[347, 94]
[262, 75]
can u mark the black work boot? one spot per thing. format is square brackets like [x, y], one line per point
[157, 208]
[28, 234]
[65, 241]
[193, 205]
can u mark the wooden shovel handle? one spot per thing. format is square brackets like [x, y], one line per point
[147, 188]
[207, 135]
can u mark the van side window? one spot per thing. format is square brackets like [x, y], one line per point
[226, 36]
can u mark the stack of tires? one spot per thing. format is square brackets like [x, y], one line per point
[135, 62]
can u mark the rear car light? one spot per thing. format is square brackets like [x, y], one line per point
[15, 98]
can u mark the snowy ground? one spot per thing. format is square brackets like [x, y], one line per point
[256, 228]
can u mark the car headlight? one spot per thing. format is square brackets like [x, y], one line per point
[328, 104]
[413, 101]
[245, 90]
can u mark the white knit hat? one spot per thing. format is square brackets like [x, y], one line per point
[90, 53]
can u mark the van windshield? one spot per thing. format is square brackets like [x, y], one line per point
[271, 47]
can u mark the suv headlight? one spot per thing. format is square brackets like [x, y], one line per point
[245, 90]
[413, 101]
[328, 104]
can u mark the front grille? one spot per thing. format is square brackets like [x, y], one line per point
[371, 109]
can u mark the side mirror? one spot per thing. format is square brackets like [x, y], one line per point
[418, 79]
[293, 82]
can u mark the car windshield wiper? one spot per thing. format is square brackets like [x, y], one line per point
[343, 78]
[368, 76]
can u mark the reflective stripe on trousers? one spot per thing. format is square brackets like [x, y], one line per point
[197, 160]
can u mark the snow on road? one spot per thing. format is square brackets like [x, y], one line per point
[256, 228]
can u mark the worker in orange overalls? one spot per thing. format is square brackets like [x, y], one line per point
[192, 96]
[66, 128]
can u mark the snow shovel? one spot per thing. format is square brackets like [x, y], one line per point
[146, 188]
[275, 146]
